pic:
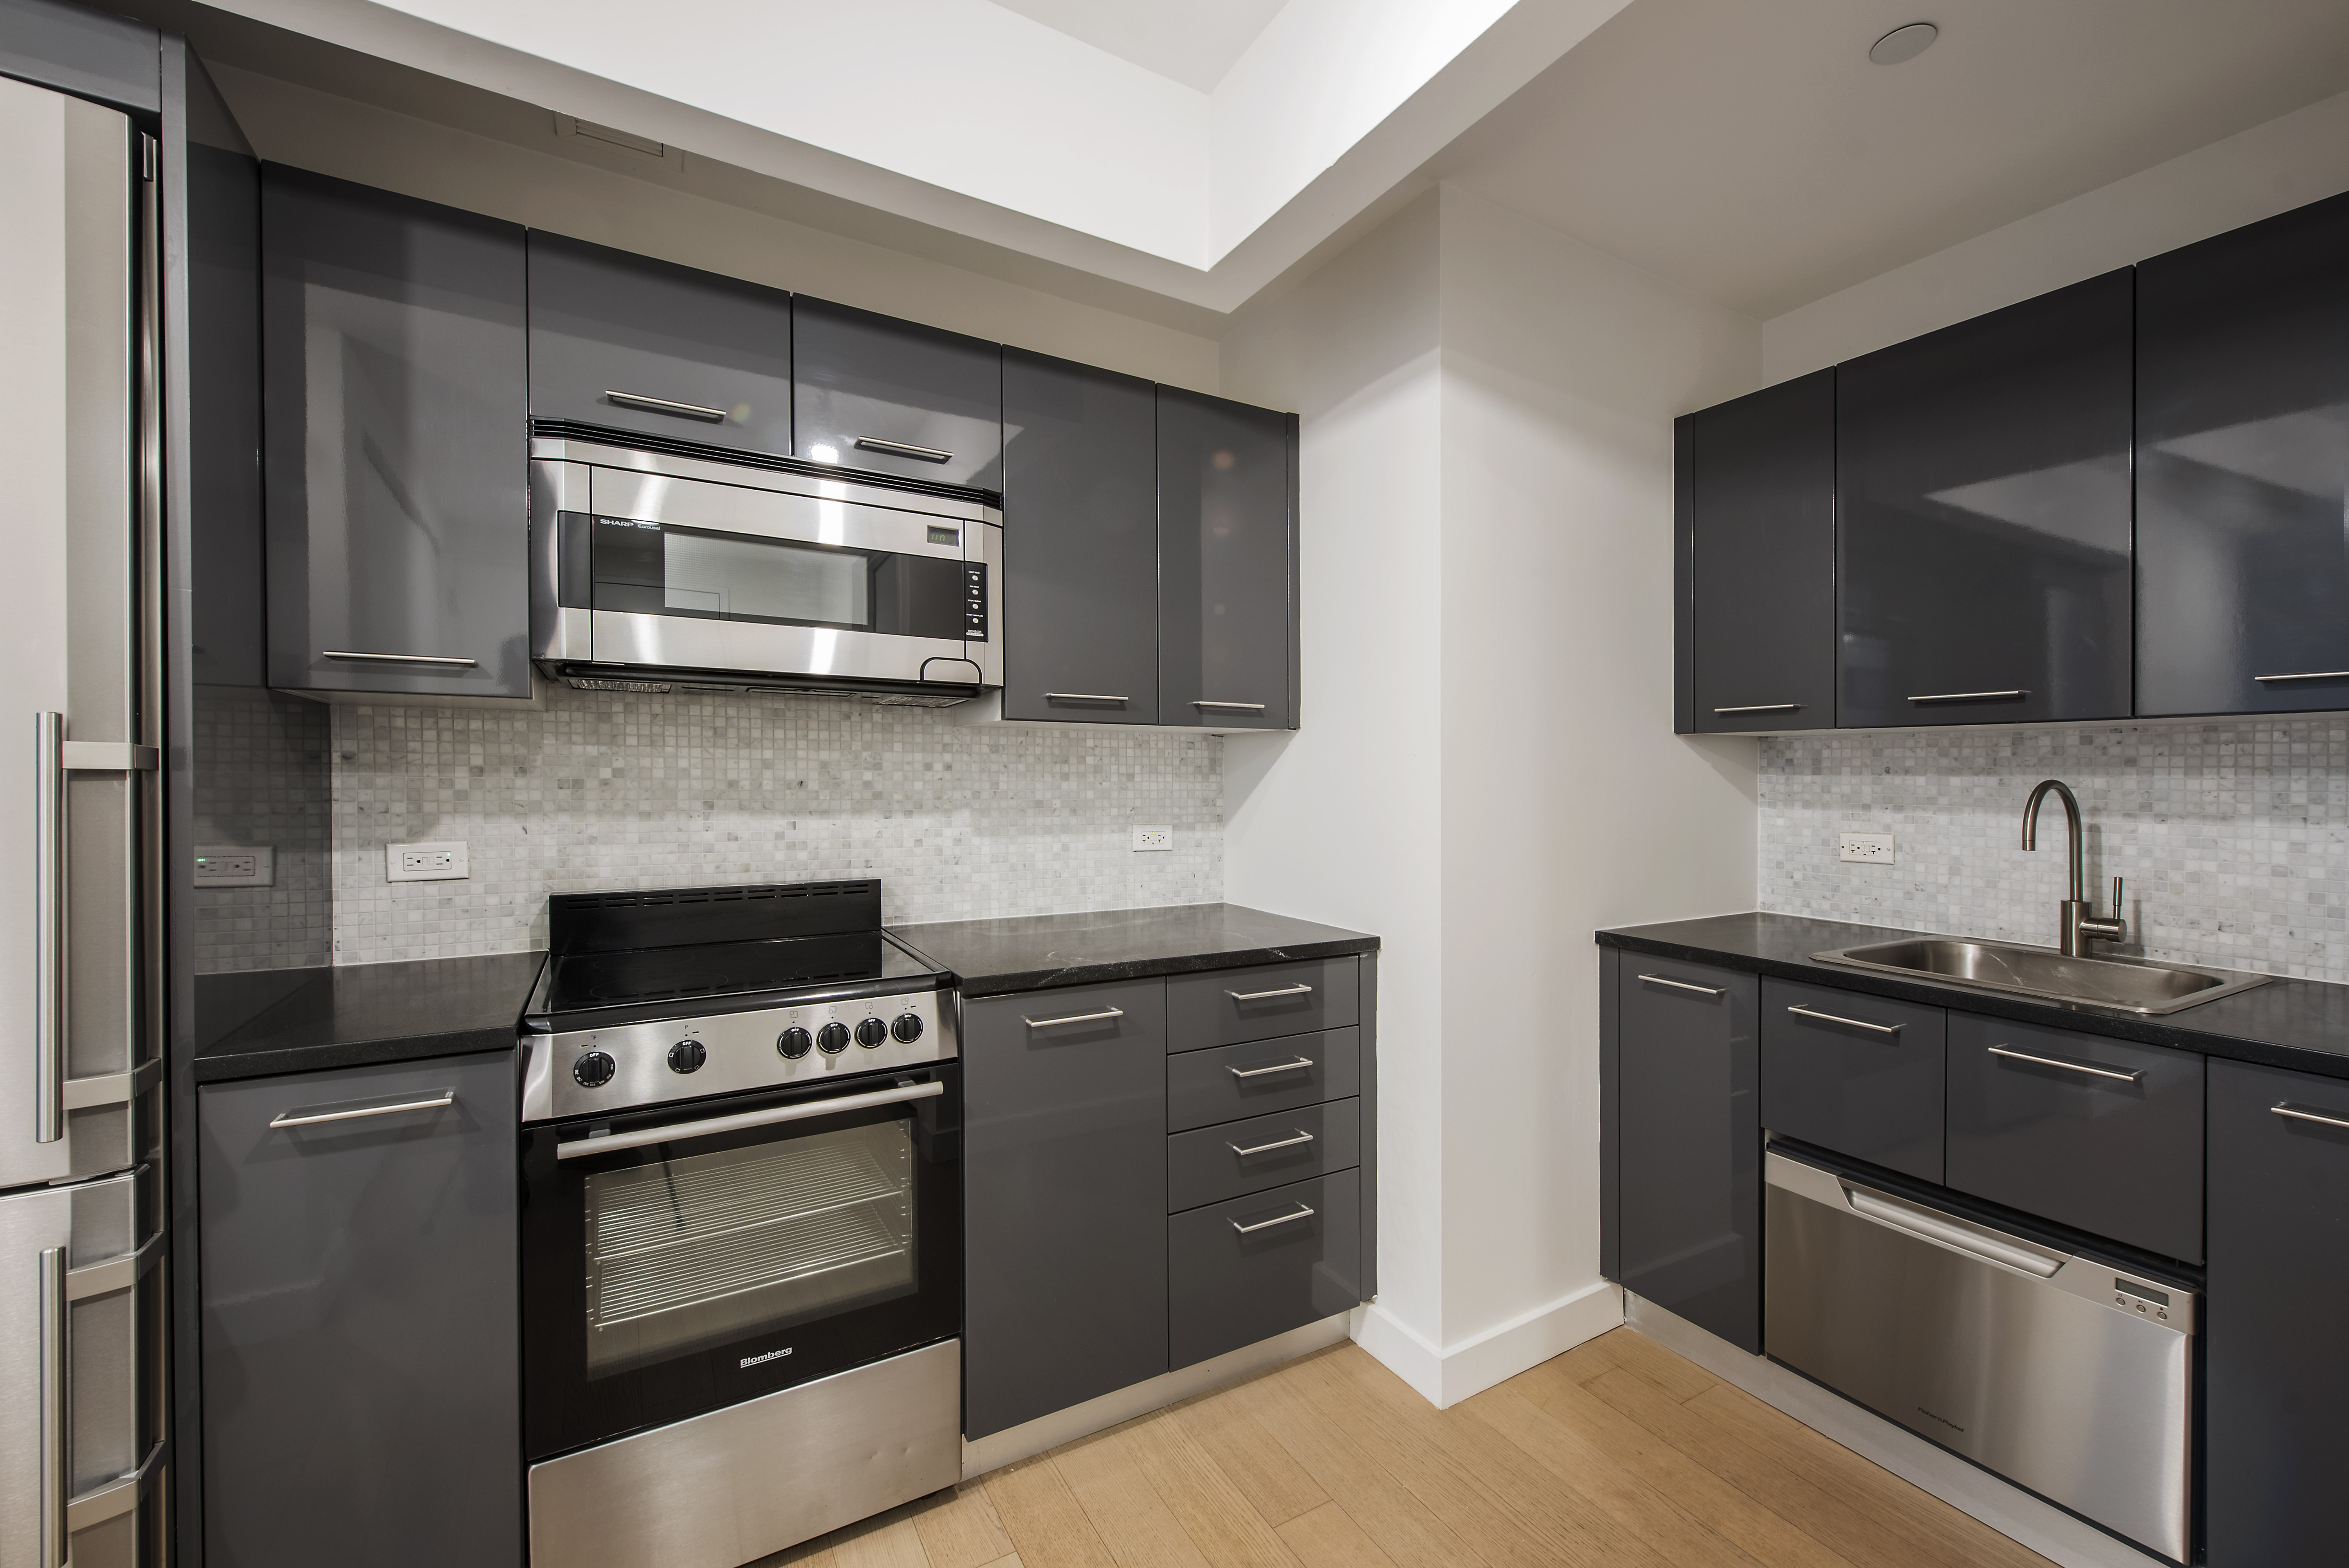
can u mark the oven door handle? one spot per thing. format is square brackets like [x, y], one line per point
[580, 1147]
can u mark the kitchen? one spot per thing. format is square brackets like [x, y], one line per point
[515, 410]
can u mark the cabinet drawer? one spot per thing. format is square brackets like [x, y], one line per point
[1206, 1087]
[2105, 1135]
[1230, 1005]
[1857, 1073]
[1207, 1165]
[1256, 1266]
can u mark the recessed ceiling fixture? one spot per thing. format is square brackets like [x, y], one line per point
[1904, 43]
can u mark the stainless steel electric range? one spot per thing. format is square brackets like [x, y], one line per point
[742, 1235]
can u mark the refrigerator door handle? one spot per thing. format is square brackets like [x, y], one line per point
[48, 927]
[55, 1359]
[116, 1497]
[119, 1273]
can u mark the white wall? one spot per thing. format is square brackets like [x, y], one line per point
[1487, 772]
[354, 140]
[2287, 162]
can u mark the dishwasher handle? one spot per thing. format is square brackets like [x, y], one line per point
[1973, 1240]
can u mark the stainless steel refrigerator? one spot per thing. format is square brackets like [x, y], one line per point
[82, 1297]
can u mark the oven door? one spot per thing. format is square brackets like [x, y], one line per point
[682, 574]
[680, 1261]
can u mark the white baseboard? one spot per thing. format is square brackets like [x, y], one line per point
[1445, 1378]
[2009, 1510]
[1000, 1448]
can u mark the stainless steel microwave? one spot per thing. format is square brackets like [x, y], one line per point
[656, 572]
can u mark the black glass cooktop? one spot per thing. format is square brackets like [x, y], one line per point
[720, 969]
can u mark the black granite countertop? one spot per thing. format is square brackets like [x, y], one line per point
[304, 1020]
[2303, 1025]
[1034, 952]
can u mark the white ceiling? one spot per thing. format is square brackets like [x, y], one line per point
[1754, 154]
[1194, 42]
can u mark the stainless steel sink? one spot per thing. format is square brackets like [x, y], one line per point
[2125, 984]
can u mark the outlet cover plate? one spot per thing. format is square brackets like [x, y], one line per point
[1150, 839]
[441, 860]
[1865, 849]
[235, 865]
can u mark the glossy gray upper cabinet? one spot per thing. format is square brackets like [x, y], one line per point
[1227, 563]
[1080, 542]
[873, 392]
[2242, 379]
[1983, 500]
[1753, 490]
[654, 349]
[393, 357]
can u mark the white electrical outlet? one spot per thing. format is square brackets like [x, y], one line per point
[442, 862]
[235, 865]
[1153, 838]
[1868, 849]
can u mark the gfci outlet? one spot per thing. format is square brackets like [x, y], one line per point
[1869, 849]
[235, 865]
[1153, 838]
[443, 861]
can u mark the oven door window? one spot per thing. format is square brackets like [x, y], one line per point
[710, 1249]
[651, 568]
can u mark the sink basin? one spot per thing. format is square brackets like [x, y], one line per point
[2127, 985]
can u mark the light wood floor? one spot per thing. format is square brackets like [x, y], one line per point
[1617, 1452]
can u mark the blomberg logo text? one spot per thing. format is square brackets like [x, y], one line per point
[770, 1355]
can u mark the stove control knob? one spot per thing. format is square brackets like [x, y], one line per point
[832, 1040]
[592, 1069]
[794, 1043]
[907, 1028]
[686, 1056]
[871, 1032]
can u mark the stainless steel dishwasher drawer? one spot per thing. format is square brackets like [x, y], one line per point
[2065, 1375]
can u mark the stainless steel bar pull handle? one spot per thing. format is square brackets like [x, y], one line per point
[312, 1115]
[49, 973]
[1232, 706]
[1802, 1012]
[348, 656]
[1982, 1243]
[665, 406]
[581, 1148]
[1074, 1018]
[1683, 985]
[1966, 696]
[1276, 1068]
[55, 1438]
[1768, 707]
[2302, 1113]
[1302, 1137]
[901, 449]
[1303, 1212]
[2309, 675]
[2089, 1067]
[1083, 697]
[1267, 996]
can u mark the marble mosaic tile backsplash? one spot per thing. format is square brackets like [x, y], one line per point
[2233, 836]
[261, 763]
[611, 790]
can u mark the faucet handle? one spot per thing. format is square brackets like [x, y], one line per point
[2117, 905]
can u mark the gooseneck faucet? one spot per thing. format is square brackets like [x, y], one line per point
[2081, 923]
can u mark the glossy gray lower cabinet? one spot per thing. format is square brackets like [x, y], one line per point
[1252, 1267]
[1753, 489]
[1224, 1007]
[2275, 1446]
[1688, 1143]
[398, 525]
[361, 1391]
[1064, 1199]
[656, 349]
[1227, 563]
[1857, 1073]
[1983, 511]
[1203, 1087]
[1209, 1164]
[2242, 478]
[2100, 1134]
[896, 397]
[1080, 542]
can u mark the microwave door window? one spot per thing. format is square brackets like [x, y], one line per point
[708, 1249]
[747, 579]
